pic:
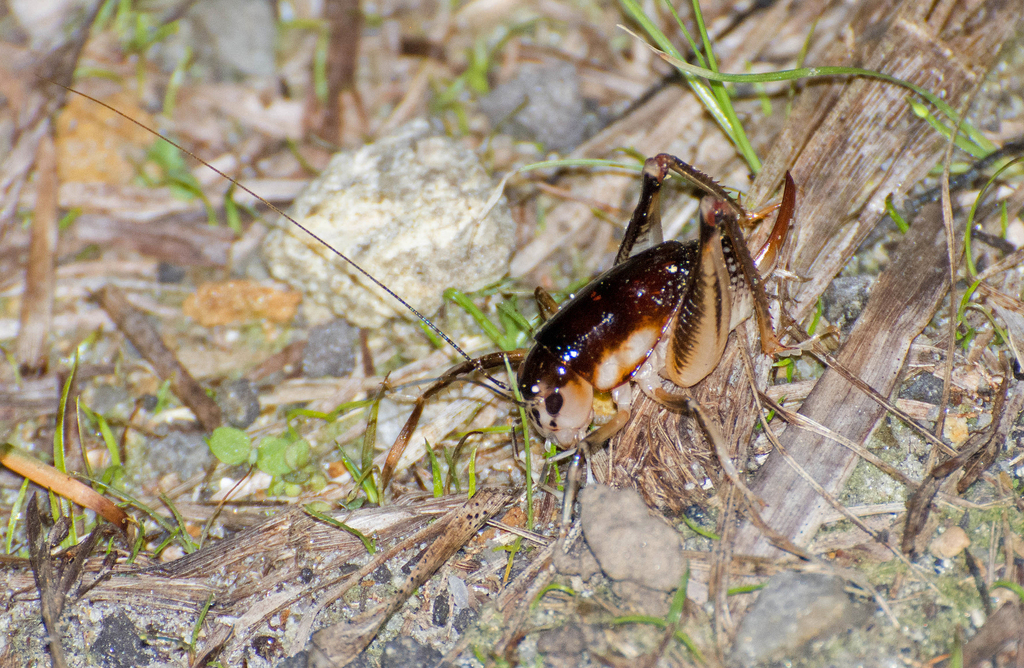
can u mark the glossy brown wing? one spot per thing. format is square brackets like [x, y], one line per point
[610, 327]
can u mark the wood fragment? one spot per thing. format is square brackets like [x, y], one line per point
[178, 240]
[902, 303]
[40, 271]
[144, 336]
[51, 599]
[345, 22]
[1000, 631]
[50, 478]
[862, 130]
[36, 102]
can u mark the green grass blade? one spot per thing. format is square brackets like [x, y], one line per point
[187, 543]
[460, 298]
[673, 58]
[699, 530]
[896, 216]
[368, 542]
[1012, 586]
[198, 626]
[527, 459]
[974, 209]
[435, 472]
[12, 521]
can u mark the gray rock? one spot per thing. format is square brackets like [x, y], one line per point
[300, 660]
[463, 618]
[184, 453]
[629, 541]
[231, 39]
[440, 610]
[330, 350]
[407, 209]
[924, 387]
[567, 640]
[543, 104]
[406, 652]
[119, 646]
[239, 403]
[845, 298]
[794, 609]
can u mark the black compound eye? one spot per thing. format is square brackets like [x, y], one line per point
[553, 403]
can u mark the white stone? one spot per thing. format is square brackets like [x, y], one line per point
[409, 210]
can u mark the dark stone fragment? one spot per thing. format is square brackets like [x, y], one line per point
[463, 618]
[149, 402]
[382, 575]
[924, 387]
[169, 273]
[543, 103]
[330, 350]
[845, 298]
[119, 646]
[411, 564]
[439, 614]
[239, 403]
[406, 652]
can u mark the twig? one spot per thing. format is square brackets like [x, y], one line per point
[37, 303]
[144, 336]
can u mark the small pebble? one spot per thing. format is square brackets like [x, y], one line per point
[118, 645]
[182, 453]
[239, 403]
[926, 387]
[330, 350]
[439, 613]
[382, 575]
[463, 618]
[542, 103]
[267, 647]
[630, 543]
[794, 609]
[169, 273]
[949, 543]
[565, 640]
[149, 402]
[844, 299]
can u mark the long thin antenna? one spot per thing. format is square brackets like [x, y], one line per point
[426, 321]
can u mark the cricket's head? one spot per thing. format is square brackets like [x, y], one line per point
[559, 402]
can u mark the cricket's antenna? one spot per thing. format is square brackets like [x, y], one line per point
[426, 321]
